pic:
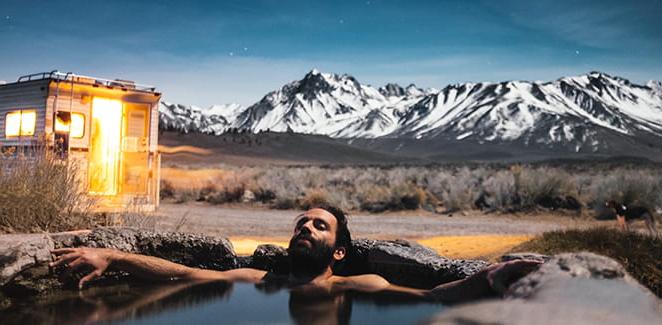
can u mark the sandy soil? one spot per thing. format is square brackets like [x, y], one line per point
[469, 235]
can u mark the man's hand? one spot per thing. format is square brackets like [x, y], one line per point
[493, 279]
[97, 258]
[500, 276]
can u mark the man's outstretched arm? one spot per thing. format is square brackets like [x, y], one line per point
[148, 267]
[491, 281]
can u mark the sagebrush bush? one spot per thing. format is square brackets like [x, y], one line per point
[500, 192]
[439, 188]
[462, 191]
[314, 198]
[167, 190]
[630, 187]
[41, 192]
[542, 186]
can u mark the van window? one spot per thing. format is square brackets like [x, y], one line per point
[20, 123]
[72, 123]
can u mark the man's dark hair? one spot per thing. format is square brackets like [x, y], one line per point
[343, 237]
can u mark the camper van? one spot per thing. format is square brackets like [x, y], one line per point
[110, 127]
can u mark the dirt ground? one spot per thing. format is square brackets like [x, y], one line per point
[461, 235]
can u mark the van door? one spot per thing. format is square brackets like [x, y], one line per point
[104, 154]
[135, 144]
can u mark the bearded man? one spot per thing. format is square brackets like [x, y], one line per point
[320, 242]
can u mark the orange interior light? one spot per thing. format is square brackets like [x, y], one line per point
[20, 123]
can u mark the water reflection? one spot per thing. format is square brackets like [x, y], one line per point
[189, 303]
[306, 308]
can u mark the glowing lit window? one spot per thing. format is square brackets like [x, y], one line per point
[73, 123]
[20, 123]
[77, 125]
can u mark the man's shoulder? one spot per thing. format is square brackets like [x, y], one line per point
[362, 282]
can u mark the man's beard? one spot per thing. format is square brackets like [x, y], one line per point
[309, 261]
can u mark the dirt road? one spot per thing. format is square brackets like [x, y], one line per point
[253, 222]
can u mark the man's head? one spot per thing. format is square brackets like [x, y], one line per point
[321, 238]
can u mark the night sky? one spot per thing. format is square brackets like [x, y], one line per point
[216, 52]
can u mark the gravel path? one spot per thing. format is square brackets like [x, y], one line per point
[256, 222]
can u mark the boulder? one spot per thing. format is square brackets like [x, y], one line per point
[23, 258]
[188, 249]
[22, 251]
[525, 256]
[407, 263]
[572, 288]
[272, 258]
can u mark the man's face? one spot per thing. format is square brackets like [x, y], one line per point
[313, 242]
[314, 227]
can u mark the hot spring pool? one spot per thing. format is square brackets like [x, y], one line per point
[215, 303]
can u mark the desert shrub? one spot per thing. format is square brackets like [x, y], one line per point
[284, 203]
[41, 192]
[343, 200]
[406, 196]
[375, 198]
[499, 191]
[187, 195]
[495, 188]
[279, 182]
[206, 192]
[263, 195]
[628, 187]
[461, 192]
[229, 194]
[167, 190]
[546, 187]
[438, 183]
[314, 198]
[641, 255]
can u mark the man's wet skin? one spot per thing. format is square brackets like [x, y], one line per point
[314, 250]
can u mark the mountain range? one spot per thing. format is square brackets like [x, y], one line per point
[593, 113]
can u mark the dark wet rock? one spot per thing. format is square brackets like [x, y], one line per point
[401, 262]
[188, 249]
[404, 262]
[33, 281]
[69, 238]
[525, 256]
[575, 288]
[24, 258]
[124, 239]
[22, 251]
[271, 258]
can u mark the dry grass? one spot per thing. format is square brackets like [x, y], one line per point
[40, 192]
[440, 188]
[641, 255]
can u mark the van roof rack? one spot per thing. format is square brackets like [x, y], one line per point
[57, 75]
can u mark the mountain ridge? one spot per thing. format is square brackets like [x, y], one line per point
[575, 113]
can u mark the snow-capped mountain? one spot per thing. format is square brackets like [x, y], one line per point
[582, 113]
[329, 104]
[569, 111]
[215, 119]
